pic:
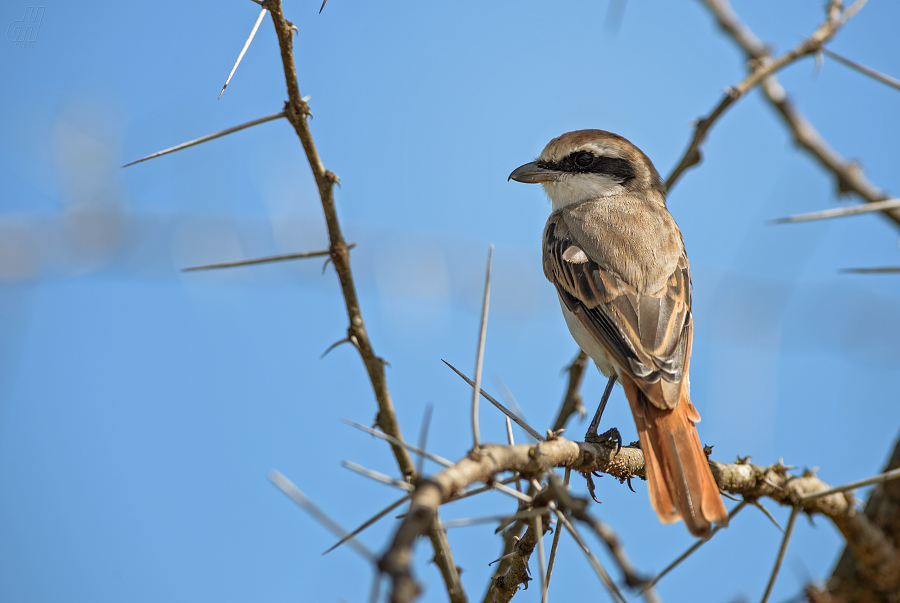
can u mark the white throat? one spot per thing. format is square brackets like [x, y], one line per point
[575, 188]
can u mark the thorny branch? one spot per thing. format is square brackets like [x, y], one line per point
[764, 66]
[850, 178]
[296, 110]
[742, 478]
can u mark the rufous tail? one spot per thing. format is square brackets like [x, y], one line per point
[679, 480]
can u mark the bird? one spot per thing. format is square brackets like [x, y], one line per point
[618, 262]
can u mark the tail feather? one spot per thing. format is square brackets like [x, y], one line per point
[680, 482]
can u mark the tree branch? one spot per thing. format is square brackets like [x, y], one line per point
[849, 174]
[748, 480]
[764, 67]
[296, 111]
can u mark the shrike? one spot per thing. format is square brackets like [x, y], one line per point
[619, 265]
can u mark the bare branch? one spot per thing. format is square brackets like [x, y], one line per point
[781, 552]
[700, 542]
[479, 355]
[765, 66]
[369, 522]
[840, 212]
[849, 175]
[266, 260]
[542, 560]
[203, 139]
[883, 477]
[556, 534]
[604, 577]
[259, 19]
[378, 477]
[877, 75]
[437, 459]
[296, 111]
[572, 401]
[504, 520]
[884, 270]
[516, 419]
[423, 432]
[766, 512]
[286, 486]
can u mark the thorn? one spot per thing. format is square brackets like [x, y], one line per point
[334, 345]
[259, 19]
[203, 139]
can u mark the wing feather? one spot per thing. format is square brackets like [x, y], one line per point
[647, 333]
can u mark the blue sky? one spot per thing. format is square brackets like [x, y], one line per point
[141, 408]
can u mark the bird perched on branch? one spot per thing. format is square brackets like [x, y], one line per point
[619, 265]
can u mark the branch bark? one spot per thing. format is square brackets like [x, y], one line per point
[858, 573]
[764, 66]
[849, 175]
[297, 111]
[751, 481]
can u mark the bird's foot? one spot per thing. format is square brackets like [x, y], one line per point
[607, 438]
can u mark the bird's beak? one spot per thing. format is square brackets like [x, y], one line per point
[531, 174]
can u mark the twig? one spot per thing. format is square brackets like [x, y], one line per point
[437, 459]
[503, 519]
[259, 19]
[577, 507]
[479, 355]
[693, 547]
[203, 139]
[572, 402]
[556, 534]
[784, 545]
[286, 486]
[765, 512]
[509, 399]
[378, 477]
[368, 522]
[762, 70]
[423, 434]
[265, 260]
[482, 489]
[516, 419]
[840, 212]
[849, 175]
[884, 79]
[604, 576]
[883, 477]
[542, 560]
[296, 111]
[509, 432]
[514, 493]
[884, 270]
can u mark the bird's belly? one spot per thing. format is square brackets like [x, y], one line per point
[589, 343]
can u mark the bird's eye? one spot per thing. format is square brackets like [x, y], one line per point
[584, 159]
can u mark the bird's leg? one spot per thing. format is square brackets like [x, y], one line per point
[613, 434]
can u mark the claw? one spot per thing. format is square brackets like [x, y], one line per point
[590, 485]
[608, 438]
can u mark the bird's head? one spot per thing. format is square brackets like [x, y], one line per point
[590, 164]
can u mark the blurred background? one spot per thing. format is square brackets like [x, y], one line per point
[141, 407]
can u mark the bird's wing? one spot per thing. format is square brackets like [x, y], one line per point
[649, 334]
